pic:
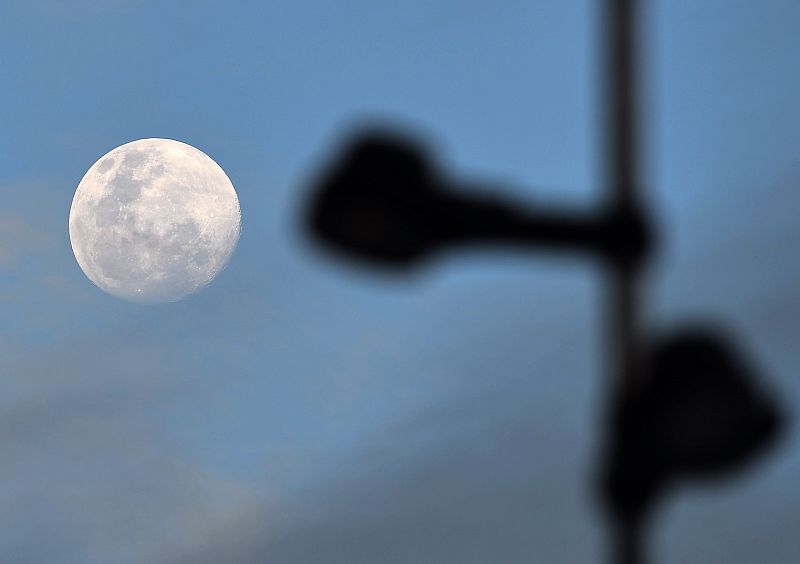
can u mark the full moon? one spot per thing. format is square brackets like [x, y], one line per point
[153, 221]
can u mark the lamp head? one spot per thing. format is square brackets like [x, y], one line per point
[699, 413]
[379, 202]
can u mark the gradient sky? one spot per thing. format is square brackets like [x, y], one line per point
[301, 411]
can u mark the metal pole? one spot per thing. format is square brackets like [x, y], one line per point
[623, 181]
[620, 29]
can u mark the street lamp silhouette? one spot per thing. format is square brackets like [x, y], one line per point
[383, 201]
[685, 405]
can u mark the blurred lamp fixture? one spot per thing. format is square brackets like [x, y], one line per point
[683, 406]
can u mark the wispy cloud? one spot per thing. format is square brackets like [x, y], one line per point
[86, 464]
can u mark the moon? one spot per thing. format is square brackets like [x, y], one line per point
[153, 221]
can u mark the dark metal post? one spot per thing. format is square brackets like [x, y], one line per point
[623, 181]
[621, 41]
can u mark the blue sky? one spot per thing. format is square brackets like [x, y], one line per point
[301, 411]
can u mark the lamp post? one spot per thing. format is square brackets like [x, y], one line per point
[620, 28]
[384, 202]
[623, 181]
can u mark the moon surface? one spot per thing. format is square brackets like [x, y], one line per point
[153, 221]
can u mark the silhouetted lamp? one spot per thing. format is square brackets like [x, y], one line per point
[698, 413]
[384, 202]
[687, 406]
[692, 407]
